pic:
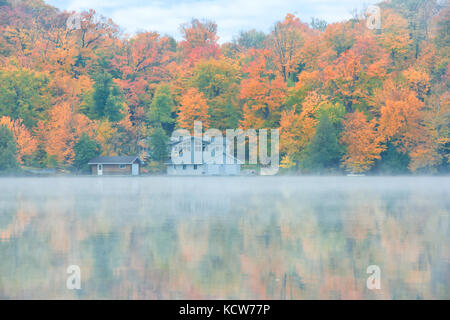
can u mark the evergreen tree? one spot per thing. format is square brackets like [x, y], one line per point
[106, 100]
[8, 151]
[159, 145]
[85, 149]
[392, 161]
[324, 151]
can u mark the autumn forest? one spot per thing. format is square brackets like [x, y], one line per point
[346, 98]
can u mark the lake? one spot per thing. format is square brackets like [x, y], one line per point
[225, 238]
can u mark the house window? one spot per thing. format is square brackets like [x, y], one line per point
[195, 167]
[184, 167]
[198, 146]
[100, 167]
[123, 166]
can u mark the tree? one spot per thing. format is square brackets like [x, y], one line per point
[364, 143]
[193, 108]
[8, 156]
[286, 41]
[26, 143]
[24, 94]
[107, 135]
[106, 100]
[85, 149]
[63, 128]
[339, 37]
[357, 73]
[395, 36]
[159, 145]
[404, 121]
[318, 24]
[324, 151]
[298, 127]
[218, 80]
[96, 38]
[161, 109]
[392, 161]
[251, 39]
[262, 93]
[419, 16]
[200, 40]
[140, 63]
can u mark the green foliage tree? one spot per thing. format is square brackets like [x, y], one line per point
[8, 151]
[85, 149]
[219, 80]
[107, 101]
[392, 161]
[318, 24]
[159, 145]
[23, 95]
[419, 14]
[324, 151]
[161, 109]
[251, 39]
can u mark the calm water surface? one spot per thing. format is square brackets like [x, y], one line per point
[231, 238]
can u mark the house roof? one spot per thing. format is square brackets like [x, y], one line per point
[115, 160]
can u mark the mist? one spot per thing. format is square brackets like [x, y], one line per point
[225, 237]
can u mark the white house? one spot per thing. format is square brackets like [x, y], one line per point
[197, 164]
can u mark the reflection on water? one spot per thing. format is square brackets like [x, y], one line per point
[236, 238]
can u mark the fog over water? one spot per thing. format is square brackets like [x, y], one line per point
[225, 237]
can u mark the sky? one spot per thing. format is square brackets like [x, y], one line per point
[231, 16]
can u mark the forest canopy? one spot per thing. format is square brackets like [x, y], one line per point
[344, 96]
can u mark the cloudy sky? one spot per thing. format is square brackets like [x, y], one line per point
[232, 16]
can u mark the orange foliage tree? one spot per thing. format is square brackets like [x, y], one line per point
[404, 121]
[262, 93]
[62, 131]
[364, 143]
[200, 40]
[26, 143]
[193, 108]
[286, 42]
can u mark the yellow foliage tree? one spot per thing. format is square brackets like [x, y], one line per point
[62, 130]
[26, 143]
[193, 108]
[364, 143]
